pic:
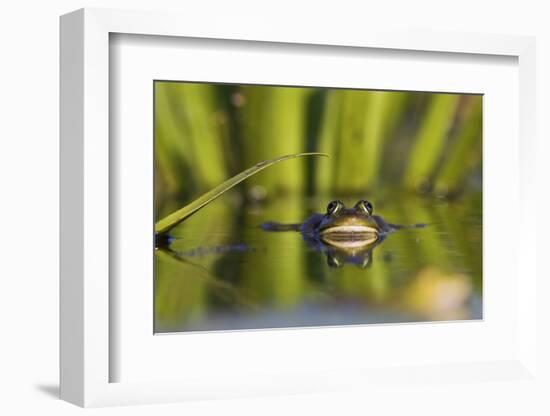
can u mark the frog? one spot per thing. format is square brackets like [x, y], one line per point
[345, 235]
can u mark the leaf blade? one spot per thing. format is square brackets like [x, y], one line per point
[171, 220]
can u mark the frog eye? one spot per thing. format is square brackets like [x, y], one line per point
[334, 207]
[365, 206]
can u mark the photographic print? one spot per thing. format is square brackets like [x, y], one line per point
[286, 206]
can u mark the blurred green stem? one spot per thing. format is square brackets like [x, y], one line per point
[464, 154]
[328, 142]
[274, 124]
[430, 140]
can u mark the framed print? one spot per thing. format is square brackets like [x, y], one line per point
[271, 213]
[366, 270]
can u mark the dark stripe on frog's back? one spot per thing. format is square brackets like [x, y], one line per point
[311, 224]
[277, 226]
[308, 227]
[384, 226]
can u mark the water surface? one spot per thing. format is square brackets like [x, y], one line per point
[223, 272]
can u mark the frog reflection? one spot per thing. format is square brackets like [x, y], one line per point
[345, 235]
[337, 257]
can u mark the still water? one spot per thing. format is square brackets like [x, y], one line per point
[224, 272]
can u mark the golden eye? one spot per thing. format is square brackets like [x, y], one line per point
[365, 206]
[334, 207]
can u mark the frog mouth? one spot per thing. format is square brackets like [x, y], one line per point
[349, 236]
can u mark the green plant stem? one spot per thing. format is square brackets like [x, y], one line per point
[464, 153]
[430, 140]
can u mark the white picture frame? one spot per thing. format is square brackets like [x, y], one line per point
[86, 353]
